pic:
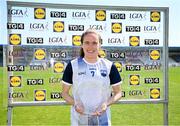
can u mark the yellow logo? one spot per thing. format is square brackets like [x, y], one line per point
[118, 66]
[102, 53]
[155, 93]
[100, 15]
[58, 67]
[134, 79]
[15, 39]
[116, 27]
[40, 95]
[15, 81]
[76, 39]
[58, 26]
[39, 13]
[155, 16]
[154, 54]
[40, 54]
[134, 40]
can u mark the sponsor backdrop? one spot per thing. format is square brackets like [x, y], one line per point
[43, 40]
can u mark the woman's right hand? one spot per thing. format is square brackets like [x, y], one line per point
[79, 108]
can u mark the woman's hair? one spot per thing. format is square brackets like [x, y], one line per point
[88, 31]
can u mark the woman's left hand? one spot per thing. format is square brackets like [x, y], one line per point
[103, 108]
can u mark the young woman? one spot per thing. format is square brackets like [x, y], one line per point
[92, 80]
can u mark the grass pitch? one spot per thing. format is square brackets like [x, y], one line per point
[122, 114]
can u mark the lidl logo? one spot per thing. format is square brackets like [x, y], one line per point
[118, 66]
[15, 39]
[58, 67]
[40, 54]
[100, 15]
[76, 40]
[39, 13]
[102, 53]
[155, 16]
[116, 27]
[134, 79]
[155, 93]
[154, 54]
[58, 26]
[40, 95]
[15, 81]
[134, 40]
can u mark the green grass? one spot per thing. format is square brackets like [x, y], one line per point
[122, 114]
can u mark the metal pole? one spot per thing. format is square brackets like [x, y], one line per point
[9, 116]
[9, 61]
[10, 90]
[165, 114]
[9, 108]
[166, 55]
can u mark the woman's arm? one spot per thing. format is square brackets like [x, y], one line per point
[117, 94]
[65, 94]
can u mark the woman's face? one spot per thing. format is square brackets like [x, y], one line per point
[91, 46]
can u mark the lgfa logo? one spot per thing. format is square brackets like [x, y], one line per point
[39, 13]
[154, 54]
[58, 26]
[76, 40]
[134, 40]
[40, 95]
[58, 67]
[17, 12]
[155, 16]
[15, 39]
[118, 66]
[134, 80]
[40, 54]
[15, 81]
[100, 15]
[116, 27]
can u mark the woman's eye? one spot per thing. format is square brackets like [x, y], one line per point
[94, 43]
[86, 43]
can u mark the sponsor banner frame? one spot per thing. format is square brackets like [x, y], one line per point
[164, 46]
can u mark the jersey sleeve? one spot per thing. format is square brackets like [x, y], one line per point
[114, 75]
[68, 73]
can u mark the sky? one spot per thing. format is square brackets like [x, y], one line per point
[174, 9]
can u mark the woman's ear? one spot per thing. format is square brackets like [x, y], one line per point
[100, 41]
[100, 45]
